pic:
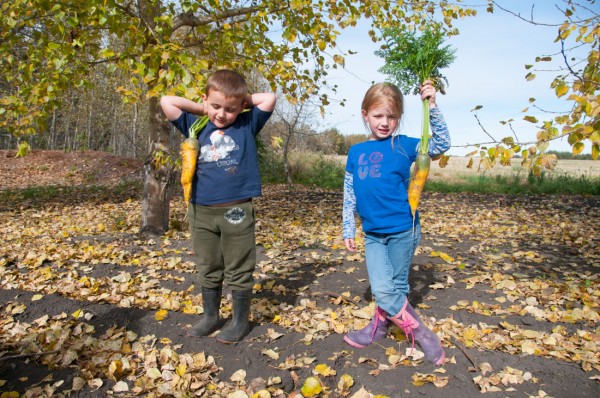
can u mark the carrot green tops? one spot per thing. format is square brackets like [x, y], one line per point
[377, 178]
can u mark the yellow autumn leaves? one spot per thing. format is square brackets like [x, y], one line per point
[161, 315]
[313, 386]
[493, 261]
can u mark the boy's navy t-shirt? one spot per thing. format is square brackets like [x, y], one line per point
[227, 166]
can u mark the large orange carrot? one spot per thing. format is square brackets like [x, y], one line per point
[421, 171]
[189, 154]
[411, 59]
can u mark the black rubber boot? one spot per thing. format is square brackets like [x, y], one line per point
[239, 325]
[211, 301]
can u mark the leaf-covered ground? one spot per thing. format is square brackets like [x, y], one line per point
[88, 308]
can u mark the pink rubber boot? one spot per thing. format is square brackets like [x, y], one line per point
[374, 331]
[408, 320]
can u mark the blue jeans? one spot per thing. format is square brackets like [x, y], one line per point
[388, 258]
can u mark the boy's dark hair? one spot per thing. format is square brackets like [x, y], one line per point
[228, 82]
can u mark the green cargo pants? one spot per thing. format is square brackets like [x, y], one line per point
[224, 242]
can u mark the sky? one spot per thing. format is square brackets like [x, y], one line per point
[489, 70]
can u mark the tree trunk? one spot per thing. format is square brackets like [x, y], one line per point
[286, 162]
[158, 175]
[134, 130]
[52, 141]
[90, 117]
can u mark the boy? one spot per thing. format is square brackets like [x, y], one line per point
[220, 212]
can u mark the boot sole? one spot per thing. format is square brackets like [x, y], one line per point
[230, 341]
[353, 343]
[200, 335]
[441, 360]
[211, 331]
[234, 340]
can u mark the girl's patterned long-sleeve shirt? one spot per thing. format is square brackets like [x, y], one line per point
[377, 177]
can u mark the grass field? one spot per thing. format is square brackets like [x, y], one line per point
[457, 169]
[568, 177]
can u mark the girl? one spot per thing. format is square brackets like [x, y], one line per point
[375, 187]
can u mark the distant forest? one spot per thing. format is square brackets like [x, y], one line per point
[569, 155]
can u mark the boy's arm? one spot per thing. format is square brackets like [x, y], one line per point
[263, 101]
[172, 106]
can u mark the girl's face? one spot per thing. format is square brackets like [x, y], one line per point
[221, 109]
[382, 120]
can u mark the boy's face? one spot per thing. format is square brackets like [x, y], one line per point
[220, 109]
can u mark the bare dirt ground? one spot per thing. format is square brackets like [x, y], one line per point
[44, 168]
[510, 284]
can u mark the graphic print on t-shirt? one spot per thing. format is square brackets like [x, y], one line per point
[369, 165]
[219, 148]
